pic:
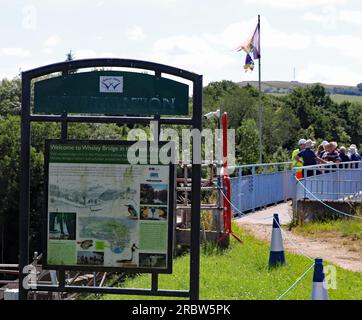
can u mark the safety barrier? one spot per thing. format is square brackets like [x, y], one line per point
[258, 185]
[332, 182]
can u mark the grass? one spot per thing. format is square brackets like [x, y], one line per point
[351, 229]
[241, 272]
[338, 98]
[343, 97]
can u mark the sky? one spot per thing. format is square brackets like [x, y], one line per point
[321, 39]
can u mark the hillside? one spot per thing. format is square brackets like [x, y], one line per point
[338, 92]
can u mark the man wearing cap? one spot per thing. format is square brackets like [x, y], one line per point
[301, 146]
[307, 157]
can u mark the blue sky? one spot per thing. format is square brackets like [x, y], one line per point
[322, 39]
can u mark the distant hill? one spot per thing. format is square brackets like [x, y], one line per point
[338, 92]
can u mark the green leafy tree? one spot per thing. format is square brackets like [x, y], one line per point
[247, 142]
[10, 97]
[354, 128]
[359, 87]
[9, 182]
[320, 97]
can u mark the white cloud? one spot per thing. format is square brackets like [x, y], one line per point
[196, 53]
[47, 50]
[52, 41]
[237, 33]
[294, 4]
[7, 75]
[84, 54]
[351, 16]
[15, 52]
[330, 74]
[212, 53]
[90, 53]
[135, 33]
[327, 18]
[330, 16]
[348, 45]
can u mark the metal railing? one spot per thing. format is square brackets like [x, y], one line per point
[339, 182]
[258, 185]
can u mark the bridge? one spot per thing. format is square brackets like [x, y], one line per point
[257, 186]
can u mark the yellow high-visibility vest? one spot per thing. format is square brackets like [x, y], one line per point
[295, 163]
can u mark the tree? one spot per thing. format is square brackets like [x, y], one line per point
[359, 87]
[239, 105]
[247, 142]
[10, 97]
[319, 95]
[70, 57]
[354, 128]
[9, 182]
[300, 102]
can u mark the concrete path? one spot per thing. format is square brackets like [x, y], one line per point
[265, 216]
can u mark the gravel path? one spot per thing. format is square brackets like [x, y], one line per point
[331, 248]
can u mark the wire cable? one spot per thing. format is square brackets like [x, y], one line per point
[295, 283]
[325, 204]
[291, 241]
[284, 234]
[239, 212]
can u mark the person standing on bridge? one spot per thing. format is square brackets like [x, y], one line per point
[307, 157]
[322, 148]
[301, 146]
[344, 157]
[354, 155]
[331, 154]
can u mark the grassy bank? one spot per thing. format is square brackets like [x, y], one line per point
[241, 272]
[349, 229]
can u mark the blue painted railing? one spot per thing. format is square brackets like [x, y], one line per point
[258, 185]
[332, 182]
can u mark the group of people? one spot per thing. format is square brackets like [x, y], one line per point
[327, 152]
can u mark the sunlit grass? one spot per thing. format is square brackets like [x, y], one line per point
[241, 272]
[344, 228]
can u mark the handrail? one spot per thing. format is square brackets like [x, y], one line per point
[318, 166]
[259, 165]
[288, 163]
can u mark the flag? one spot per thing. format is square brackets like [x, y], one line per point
[252, 45]
[249, 63]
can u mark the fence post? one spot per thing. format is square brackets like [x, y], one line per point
[239, 203]
[285, 176]
[275, 190]
[253, 186]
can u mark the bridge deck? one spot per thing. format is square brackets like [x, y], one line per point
[265, 216]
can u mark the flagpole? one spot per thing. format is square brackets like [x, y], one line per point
[260, 104]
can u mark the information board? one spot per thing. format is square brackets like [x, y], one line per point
[104, 213]
[111, 92]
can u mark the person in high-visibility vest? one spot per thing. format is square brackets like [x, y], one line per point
[301, 146]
